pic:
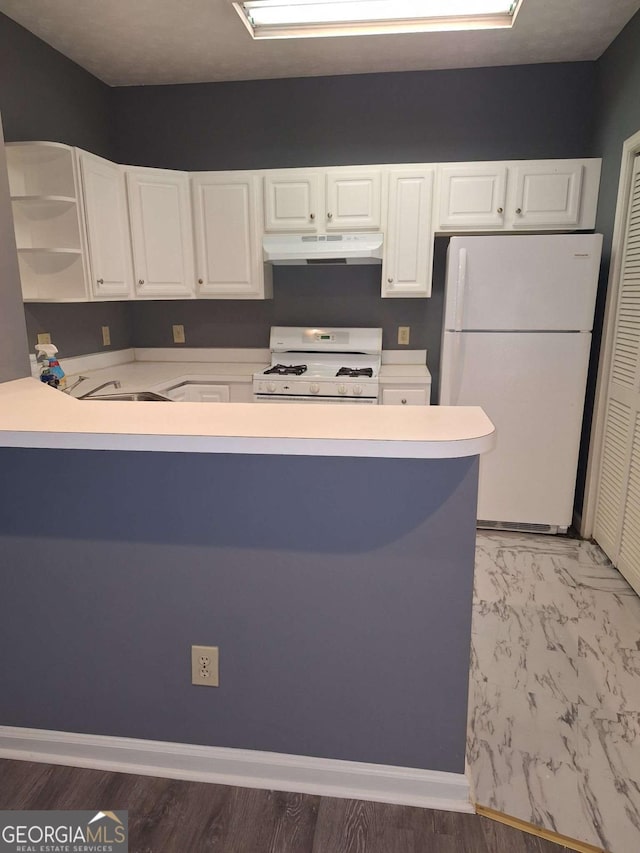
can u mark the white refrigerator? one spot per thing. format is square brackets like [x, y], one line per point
[516, 341]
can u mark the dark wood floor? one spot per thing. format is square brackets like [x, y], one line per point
[167, 816]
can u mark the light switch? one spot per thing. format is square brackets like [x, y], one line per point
[106, 336]
[178, 334]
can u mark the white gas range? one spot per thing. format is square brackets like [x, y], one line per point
[321, 366]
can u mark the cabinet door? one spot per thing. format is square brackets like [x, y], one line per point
[408, 254]
[205, 392]
[292, 201]
[228, 235]
[161, 233]
[472, 196]
[109, 242]
[352, 199]
[547, 194]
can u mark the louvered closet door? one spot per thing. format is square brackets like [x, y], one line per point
[617, 523]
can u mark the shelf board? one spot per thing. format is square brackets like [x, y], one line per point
[42, 251]
[44, 202]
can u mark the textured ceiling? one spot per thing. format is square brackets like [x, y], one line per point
[129, 42]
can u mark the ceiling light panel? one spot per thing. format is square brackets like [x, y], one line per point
[306, 18]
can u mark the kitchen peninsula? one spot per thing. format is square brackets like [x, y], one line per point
[327, 551]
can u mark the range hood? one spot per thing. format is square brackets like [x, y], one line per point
[298, 249]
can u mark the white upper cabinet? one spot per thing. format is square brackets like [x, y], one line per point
[108, 237]
[292, 200]
[46, 198]
[228, 234]
[352, 199]
[472, 195]
[345, 198]
[88, 229]
[161, 233]
[547, 193]
[408, 254]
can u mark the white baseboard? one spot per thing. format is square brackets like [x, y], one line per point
[241, 767]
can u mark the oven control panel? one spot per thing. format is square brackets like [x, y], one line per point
[315, 388]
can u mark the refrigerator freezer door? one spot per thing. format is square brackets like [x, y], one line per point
[532, 387]
[531, 282]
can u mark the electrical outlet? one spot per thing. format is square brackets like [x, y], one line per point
[106, 336]
[178, 334]
[44, 338]
[403, 335]
[204, 666]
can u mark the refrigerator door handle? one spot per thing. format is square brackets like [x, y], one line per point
[457, 357]
[461, 286]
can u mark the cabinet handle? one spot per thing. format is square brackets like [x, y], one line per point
[518, 210]
[100, 281]
[312, 216]
[140, 281]
[404, 401]
[329, 215]
[390, 279]
[500, 210]
[200, 281]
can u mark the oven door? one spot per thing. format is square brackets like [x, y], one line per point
[286, 398]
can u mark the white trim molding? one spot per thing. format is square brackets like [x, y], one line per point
[630, 149]
[241, 767]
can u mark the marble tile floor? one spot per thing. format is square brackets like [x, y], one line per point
[554, 702]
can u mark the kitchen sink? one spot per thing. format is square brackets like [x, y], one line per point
[143, 396]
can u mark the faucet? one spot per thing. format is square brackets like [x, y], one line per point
[113, 382]
[70, 388]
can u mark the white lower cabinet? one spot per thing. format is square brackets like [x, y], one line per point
[161, 233]
[199, 392]
[408, 254]
[405, 396]
[107, 221]
[228, 230]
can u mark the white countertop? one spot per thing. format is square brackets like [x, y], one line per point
[148, 375]
[414, 373]
[34, 415]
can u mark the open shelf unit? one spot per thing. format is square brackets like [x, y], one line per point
[48, 221]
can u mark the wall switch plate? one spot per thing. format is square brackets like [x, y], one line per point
[178, 334]
[204, 666]
[44, 338]
[403, 335]
[106, 336]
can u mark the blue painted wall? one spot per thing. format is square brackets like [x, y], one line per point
[338, 590]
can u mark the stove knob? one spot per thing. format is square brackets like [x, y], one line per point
[342, 389]
[357, 390]
[271, 387]
[314, 388]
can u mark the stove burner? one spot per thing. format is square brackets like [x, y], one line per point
[287, 370]
[355, 371]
